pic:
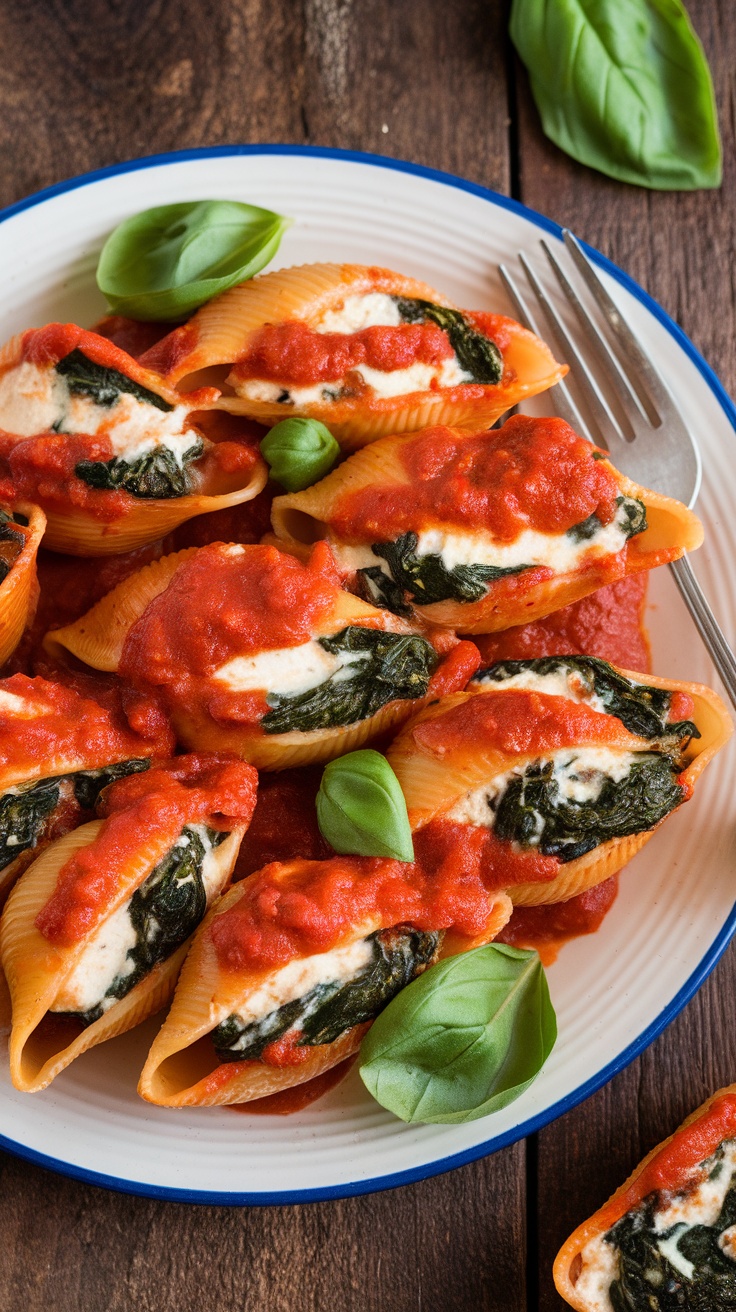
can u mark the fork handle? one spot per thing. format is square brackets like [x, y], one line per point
[706, 623]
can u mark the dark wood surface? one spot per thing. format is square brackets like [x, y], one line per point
[84, 83]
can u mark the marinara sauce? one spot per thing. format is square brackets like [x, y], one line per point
[292, 353]
[532, 473]
[144, 814]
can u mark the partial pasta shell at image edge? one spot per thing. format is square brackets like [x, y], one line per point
[19, 589]
[35, 969]
[432, 784]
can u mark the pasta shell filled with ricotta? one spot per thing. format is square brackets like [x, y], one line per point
[21, 529]
[482, 531]
[113, 456]
[256, 653]
[58, 750]
[665, 1238]
[94, 933]
[289, 970]
[551, 774]
[364, 350]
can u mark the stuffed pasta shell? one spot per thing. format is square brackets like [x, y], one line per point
[21, 529]
[58, 750]
[112, 454]
[550, 774]
[94, 934]
[255, 653]
[481, 531]
[362, 349]
[288, 971]
[666, 1238]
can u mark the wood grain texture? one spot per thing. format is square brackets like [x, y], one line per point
[679, 246]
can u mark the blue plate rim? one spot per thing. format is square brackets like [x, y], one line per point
[722, 939]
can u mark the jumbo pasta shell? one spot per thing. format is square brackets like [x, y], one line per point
[36, 969]
[306, 517]
[98, 637]
[77, 534]
[19, 588]
[432, 781]
[711, 1124]
[220, 332]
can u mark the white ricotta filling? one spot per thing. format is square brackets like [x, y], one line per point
[601, 1260]
[579, 772]
[561, 682]
[558, 551]
[372, 310]
[105, 957]
[289, 670]
[34, 398]
[298, 978]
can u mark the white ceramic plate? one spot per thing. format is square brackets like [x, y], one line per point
[613, 992]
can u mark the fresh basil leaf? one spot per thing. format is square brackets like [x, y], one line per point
[361, 809]
[299, 452]
[464, 1039]
[623, 86]
[165, 262]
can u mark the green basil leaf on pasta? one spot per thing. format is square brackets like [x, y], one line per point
[464, 1039]
[361, 809]
[165, 262]
[623, 86]
[299, 452]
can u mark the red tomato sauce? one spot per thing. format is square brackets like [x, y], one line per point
[456, 854]
[132, 335]
[299, 1096]
[292, 352]
[548, 928]
[41, 469]
[519, 722]
[532, 473]
[50, 344]
[67, 724]
[144, 813]
[223, 603]
[305, 907]
[609, 623]
[284, 825]
[671, 1164]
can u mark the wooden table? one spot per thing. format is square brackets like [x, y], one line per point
[87, 84]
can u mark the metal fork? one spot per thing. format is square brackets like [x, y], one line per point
[644, 431]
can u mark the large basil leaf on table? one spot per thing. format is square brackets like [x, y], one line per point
[464, 1039]
[623, 86]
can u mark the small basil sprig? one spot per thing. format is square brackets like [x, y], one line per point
[464, 1039]
[623, 86]
[165, 262]
[299, 452]
[361, 809]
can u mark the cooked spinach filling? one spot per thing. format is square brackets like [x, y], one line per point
[164, 911]
[85, 378]
[631, 518]
[532, 811]
[647, 1280]
[385, 667]
[425, 579]
[156, 475]
[329, 1009]
[25, 810]
[476, 354]
[11, 541]
[642, 709]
